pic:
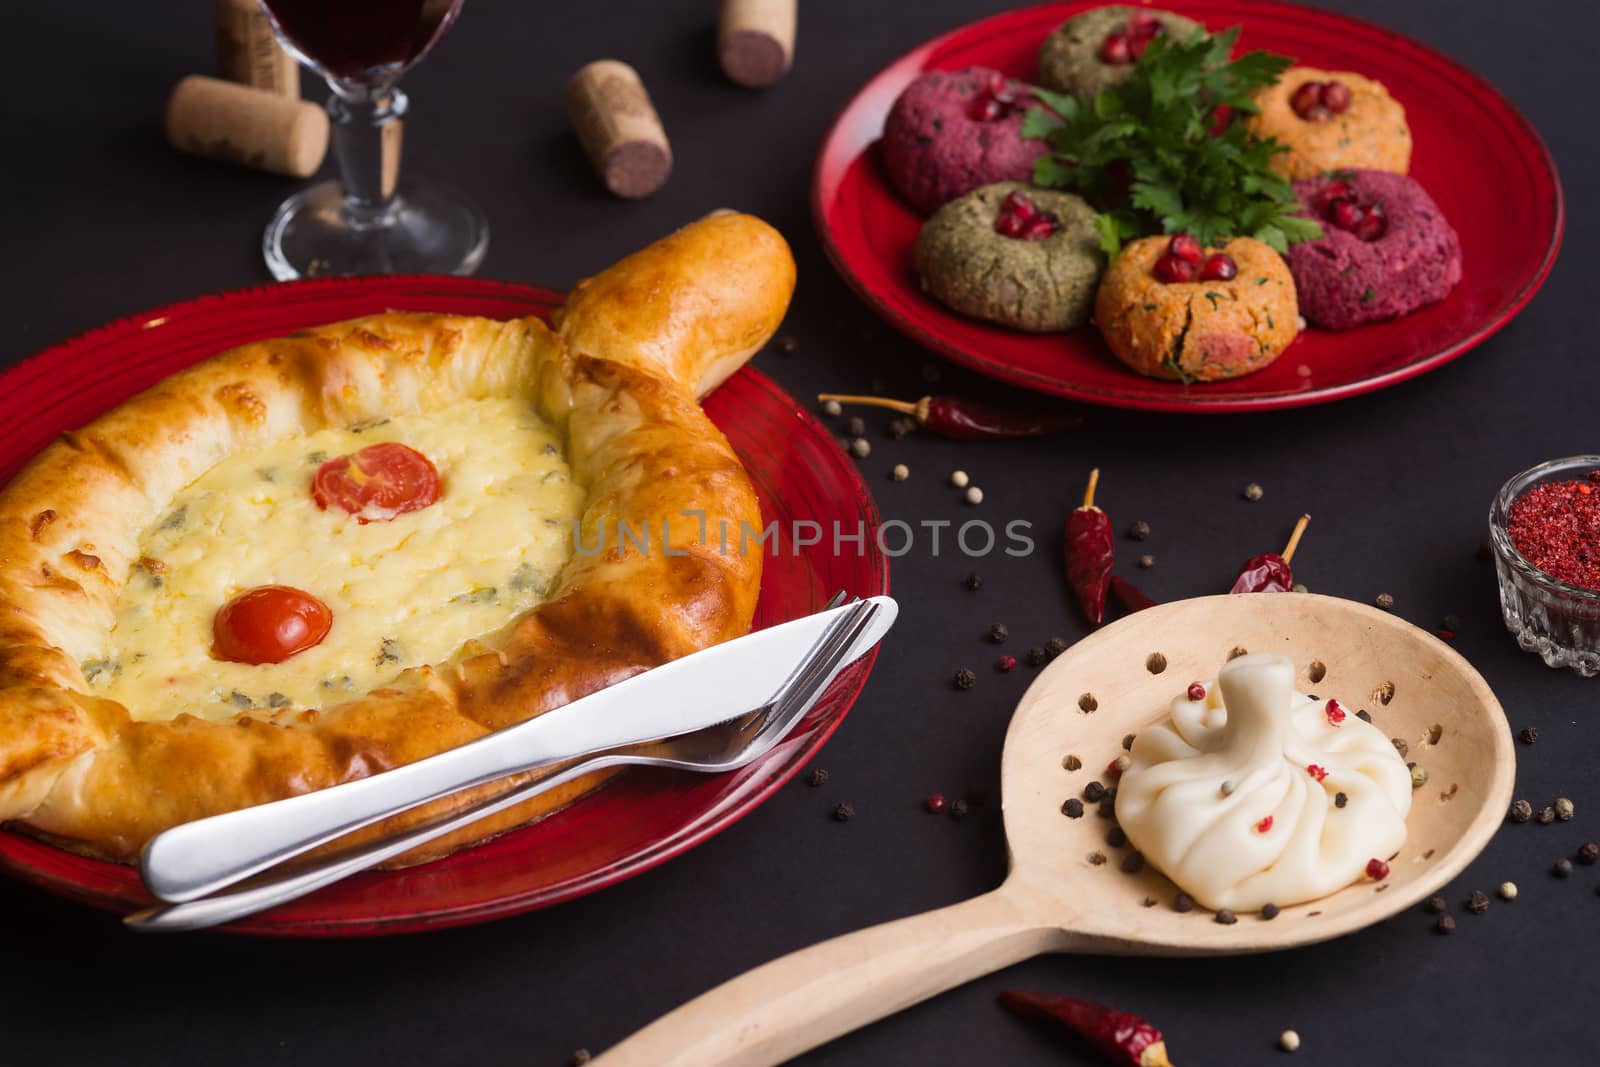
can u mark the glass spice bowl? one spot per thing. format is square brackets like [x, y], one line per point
[1558, 620]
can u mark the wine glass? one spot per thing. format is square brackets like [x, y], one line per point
[369, 221]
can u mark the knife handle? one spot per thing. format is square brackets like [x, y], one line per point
[779, 1010]
[200, 857]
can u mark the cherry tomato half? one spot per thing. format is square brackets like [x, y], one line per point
[268, 624]
[377, 483]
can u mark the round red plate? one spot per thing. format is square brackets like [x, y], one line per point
[1477, 156]
[630, 825]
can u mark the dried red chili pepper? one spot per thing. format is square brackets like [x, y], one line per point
[1122, 1036]
[966, 421]
[1091, 552]
[1131, 596]
[1269, 572]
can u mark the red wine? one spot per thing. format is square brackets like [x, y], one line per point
[361, 40]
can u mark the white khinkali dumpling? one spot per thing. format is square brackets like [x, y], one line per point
[1233, 796]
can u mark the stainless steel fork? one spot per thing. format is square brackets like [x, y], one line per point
[723, 748]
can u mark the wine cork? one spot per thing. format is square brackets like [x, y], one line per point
[389, 144]
[237, 124]
[249, 53]
[755, 40]
[618, 128]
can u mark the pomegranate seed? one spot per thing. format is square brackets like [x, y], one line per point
[994, 83]
[1169, 270]
[1335, 712]
[1377, 870]
[1264, 825]
[1197, 691]
[985, 109]
[1336, 97]
[1319, 773]
[1186, 248]
[1325, 197]
[1009, 225]
[1040, 228]
[1346, 214]
[1016, 203]
[1114, 50]
[1221, 116]
[1306, 97]
[1374, 223]
[1143, 24]
[1219, 268]
[934, 803]
[1137, 46]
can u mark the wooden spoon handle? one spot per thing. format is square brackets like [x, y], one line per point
[809, 997]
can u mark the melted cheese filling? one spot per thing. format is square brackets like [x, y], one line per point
[405, 592]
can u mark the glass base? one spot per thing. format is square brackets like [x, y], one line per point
[429, 229]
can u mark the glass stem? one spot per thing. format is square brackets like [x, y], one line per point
[366, 129]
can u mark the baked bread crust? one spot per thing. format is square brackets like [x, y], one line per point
[619, 378]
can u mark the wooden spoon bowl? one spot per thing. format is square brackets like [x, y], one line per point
[1066, 891]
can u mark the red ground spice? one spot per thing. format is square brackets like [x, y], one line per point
[1556, 527]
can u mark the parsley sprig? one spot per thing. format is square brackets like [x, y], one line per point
[1144, 153]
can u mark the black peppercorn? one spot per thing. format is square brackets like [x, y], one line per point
[1073, 808]
[1183, 902]
[1340, 800]
[1037, 657]
[1054, 647]
[1546, 816]
[1098, 859]
[787, 346]
[973, 581]
[581, 1057]
[1108, 806]
[1588, 854]
[959, 809]
[899, 428]
[1094, 792]
[1529, 735]
[1451, 623]
[1364, 715]
[1562, 868]
[1478, 902]
[1116, 838]
[1139, 531]
[964, 678]
[1072, 763]
[1127, 742]
[819, 776]
[1445, 925]
[857, 425]
[1269, 911]
[1521, 811]
[1226, 917]
[1384, 601]
[843, 812]
[1435, 905]
[999, 632]
[1133, 863]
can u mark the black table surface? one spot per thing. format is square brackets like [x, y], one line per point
[102, 219]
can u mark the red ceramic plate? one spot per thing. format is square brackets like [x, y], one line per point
[635, 822]
[1481, 160]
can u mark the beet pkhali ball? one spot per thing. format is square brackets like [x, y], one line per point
[1331, 120]
[1097, 49]
[1386, 249]
[1023, 257]
[1171, 309]
[952, 131]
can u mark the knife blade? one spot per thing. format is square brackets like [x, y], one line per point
[688, 694]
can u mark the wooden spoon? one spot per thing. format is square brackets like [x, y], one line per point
[1057, 899]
